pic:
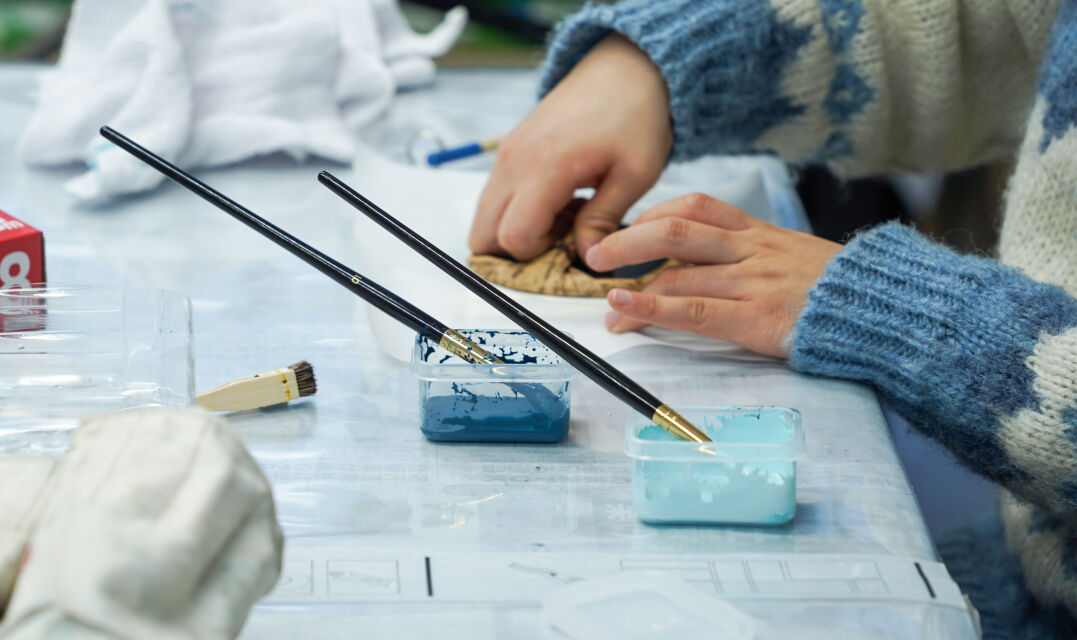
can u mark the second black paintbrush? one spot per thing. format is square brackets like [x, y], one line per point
[368, 290]
[586, 362]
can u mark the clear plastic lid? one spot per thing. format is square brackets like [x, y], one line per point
[644, 604]
[739, 434]
[526, 358]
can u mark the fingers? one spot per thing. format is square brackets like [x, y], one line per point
[515, 215]
[726, 281]
[522, 223]
[617, 323]
[578, 137]
[669, 237]
[524, 229]
[751, 292]
[483, 237]
[715, 281]
[713, 317]
[699, 207]
[602, 215]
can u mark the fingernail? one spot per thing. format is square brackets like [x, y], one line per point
[620, 297]
[612, 318]
[592, 256]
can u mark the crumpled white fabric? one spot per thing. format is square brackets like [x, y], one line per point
[22, 487]
[156, 524]
[210, 82]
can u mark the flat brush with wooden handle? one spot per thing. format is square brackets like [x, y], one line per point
[263, 390]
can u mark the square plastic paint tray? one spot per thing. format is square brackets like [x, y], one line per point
[747, 475]
[524, 400]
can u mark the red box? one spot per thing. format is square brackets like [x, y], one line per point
[22, 264]
[22, 254]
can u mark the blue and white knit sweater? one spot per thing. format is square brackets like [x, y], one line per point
[980, 355]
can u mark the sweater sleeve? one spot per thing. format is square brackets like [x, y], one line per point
[862, 85]
[975, 354]
[981, 356]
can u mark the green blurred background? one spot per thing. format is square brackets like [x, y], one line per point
[32, 29]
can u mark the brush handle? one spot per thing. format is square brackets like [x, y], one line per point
[439, 158]
[595, 368]
[263, 390]
[368, 290]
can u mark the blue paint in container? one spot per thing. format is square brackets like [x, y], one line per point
[746, 476]
[524, 400]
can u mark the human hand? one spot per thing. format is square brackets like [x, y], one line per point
[747, 282]
[605, 125]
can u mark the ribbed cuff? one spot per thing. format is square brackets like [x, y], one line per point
[943, 337]
[722, 61]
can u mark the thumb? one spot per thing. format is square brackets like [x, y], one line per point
[602, 215]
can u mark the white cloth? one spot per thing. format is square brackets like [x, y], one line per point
[24, 479]
[211, 82]
[156, 524]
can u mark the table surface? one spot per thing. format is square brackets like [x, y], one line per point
[393, 533]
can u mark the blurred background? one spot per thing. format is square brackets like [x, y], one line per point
[32, 29]
[961, 209]
[501, 33]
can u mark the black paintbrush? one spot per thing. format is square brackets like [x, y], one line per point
[595, 368]
[368, 290]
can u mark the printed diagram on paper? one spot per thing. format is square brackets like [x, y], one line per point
[328, 574]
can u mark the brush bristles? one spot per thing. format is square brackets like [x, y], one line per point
[304, 378]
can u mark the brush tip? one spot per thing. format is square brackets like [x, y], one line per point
[304, 378]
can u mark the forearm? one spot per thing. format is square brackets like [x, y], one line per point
[865, 86]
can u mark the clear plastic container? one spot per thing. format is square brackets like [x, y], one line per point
[524, 400]
[746, 476]
[67, 352]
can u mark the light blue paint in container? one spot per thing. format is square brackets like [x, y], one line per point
[526, 399]
[746, 476]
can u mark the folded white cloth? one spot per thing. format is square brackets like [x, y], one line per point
[210, 82]
[22, 491]
[156, 524]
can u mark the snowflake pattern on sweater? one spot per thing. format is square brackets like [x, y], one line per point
[979, 354]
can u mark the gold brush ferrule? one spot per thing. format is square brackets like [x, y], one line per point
[456, 343]
[677, 424]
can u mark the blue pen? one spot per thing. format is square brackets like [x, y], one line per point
[465, 151]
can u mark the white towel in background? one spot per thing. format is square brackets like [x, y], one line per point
[157, 523]
[209, 82]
